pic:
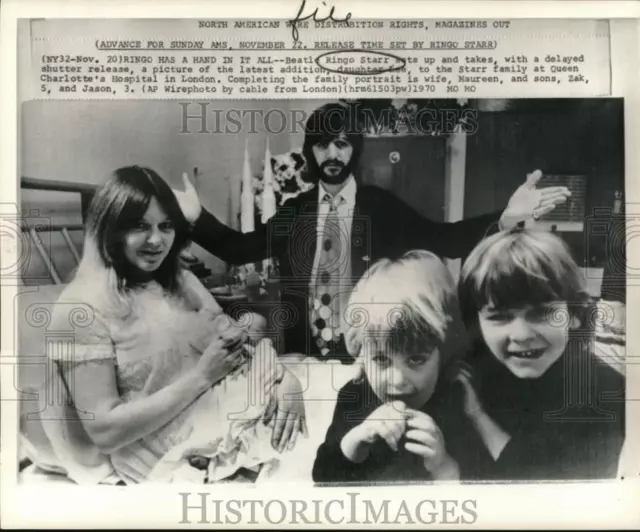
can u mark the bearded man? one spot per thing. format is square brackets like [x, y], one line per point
[325, 239]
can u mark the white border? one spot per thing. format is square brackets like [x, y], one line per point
[606, 505]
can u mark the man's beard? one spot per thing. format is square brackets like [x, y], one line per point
[334, 172]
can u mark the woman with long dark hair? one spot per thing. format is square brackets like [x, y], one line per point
[157, 374]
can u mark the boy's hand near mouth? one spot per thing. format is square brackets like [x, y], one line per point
[388, 422]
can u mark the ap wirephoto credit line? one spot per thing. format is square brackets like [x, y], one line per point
[378, 269]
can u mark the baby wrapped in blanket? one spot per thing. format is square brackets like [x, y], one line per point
[227, 427]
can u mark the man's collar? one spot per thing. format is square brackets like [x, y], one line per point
[348, 192]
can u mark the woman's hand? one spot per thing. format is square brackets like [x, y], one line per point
[188, 200]
[218, 361]
[289, 412]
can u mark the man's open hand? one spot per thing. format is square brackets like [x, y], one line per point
[530, 203]
[188, 200]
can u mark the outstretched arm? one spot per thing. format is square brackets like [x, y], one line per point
[457, 239]
[218, 239]
[231, 246]
[445, 239]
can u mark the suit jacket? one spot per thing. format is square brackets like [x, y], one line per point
[383, 227]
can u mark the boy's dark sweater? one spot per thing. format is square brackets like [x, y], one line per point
[356, 401]
[553, 437]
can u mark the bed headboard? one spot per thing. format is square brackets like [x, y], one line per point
[31, 231]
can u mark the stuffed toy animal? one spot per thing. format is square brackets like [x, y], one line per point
[288, 178]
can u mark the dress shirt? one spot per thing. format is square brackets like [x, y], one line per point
[345, 201]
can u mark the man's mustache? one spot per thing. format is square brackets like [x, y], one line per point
[331, 163]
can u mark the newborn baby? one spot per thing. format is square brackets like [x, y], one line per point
[241, 335]
[227, 430]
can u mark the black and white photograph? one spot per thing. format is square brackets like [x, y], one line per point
[319, 263]
[324, 292]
